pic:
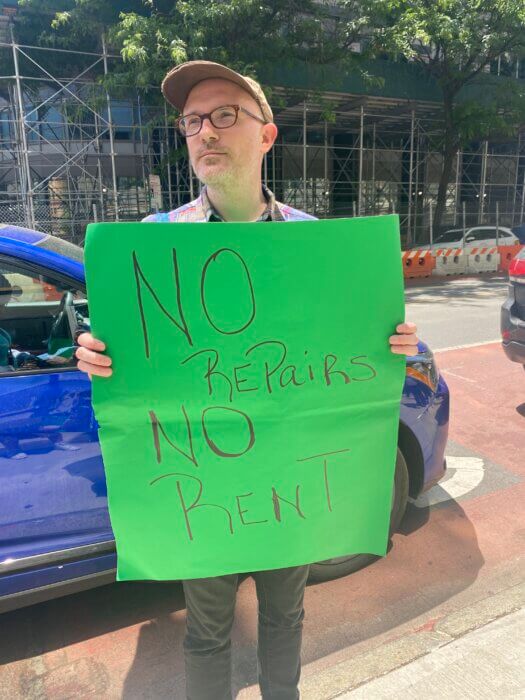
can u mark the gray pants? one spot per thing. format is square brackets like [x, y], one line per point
[210, 605]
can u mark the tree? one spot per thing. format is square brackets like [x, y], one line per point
[153, 35]
[63, 24]
[454, 41]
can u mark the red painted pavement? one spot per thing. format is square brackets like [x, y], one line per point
[488, 404]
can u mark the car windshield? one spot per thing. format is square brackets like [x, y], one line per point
[448, 236]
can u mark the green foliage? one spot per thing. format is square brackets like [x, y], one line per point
[154, 35]
[452, 40]
[71, 24]
[496, 112]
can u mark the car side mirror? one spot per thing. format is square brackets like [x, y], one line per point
[469, 239]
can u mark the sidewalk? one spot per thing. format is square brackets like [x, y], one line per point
[486, 663]
[476, 651]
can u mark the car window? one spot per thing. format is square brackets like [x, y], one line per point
[450, 236]
[38, 317]
[489, 233]
[482, 234]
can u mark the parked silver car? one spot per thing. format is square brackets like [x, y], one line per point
[475, 235]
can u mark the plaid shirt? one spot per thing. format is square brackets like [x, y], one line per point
[201, 211]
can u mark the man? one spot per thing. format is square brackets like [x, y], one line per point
[228, 125]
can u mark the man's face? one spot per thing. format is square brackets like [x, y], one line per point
[219, 156]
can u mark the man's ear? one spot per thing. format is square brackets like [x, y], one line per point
[269, 134]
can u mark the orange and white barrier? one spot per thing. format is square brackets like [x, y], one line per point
[450, 261]
[417, 263]
[507, 254]
[458, 261]
[482, 259]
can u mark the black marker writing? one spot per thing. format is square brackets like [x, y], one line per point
[141, 279]
[186, 509]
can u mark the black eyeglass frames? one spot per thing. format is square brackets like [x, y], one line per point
[221, 118]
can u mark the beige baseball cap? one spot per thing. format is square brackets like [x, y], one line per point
[179, 82]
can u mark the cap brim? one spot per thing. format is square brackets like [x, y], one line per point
[179, 82]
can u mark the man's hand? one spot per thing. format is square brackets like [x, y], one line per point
[90, 357]
[405, 343]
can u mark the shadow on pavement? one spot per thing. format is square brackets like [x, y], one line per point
[456, 290]
[59, 623]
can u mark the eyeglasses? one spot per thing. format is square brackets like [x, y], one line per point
[221, 118]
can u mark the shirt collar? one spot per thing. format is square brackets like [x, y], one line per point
[270, 213]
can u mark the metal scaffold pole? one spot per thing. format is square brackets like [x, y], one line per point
[326, 196]
[177, 169]
[145, 182]
[456, 198]
[168, 163]
[483, 181]
[26, 173]
[111, 134]
[360, 183]
[418, 186]
[273, 170]
[100, 177]
[522, 208]
[411, 193]
[305, 189]
[374, 207]
[516, 179]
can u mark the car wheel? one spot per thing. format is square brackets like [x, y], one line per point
[342, 566]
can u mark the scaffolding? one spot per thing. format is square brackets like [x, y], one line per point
[71, 153]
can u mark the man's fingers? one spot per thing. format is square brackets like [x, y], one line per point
[403, 339]
[406, 327]
[404, 349]
[86, 340]
[94, 369]
[93, 358]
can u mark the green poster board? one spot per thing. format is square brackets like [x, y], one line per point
[251, 420]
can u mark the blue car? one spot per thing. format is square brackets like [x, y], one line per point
[55, 532]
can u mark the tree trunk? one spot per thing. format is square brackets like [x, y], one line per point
[449, 154]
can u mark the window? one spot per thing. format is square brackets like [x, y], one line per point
[482, 234]
[450, 236]
[38, 317]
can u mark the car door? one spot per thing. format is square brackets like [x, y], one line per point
[52, 484]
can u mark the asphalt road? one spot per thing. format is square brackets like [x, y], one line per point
[456, 312]
[457, 561]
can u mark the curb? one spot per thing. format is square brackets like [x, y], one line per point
[357, 670]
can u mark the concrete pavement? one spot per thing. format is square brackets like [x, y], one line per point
[456, 311]
[486, 663]
[475, 652]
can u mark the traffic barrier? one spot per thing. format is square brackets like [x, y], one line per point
[507, 254]
[482, 259]
[417, 263]
[450, 261]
